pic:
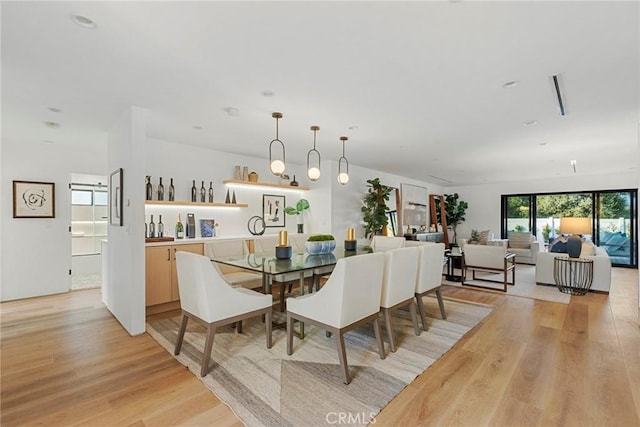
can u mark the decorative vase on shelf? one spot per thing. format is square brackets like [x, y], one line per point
[237, 174]
[233, 198]
[253, 177]
[203, 192]
[194, 192]
[294, 183]
[227, 199]
[160, 190]
[245, 173]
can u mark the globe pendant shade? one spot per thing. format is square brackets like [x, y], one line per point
[313, 174]
[343, 178]
[277, 167]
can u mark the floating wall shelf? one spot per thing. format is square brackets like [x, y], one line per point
[265, 184]
[185, 203]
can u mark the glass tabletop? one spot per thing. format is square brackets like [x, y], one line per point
[300, 260]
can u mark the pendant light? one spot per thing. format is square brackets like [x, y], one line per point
[313, 172]
[343, 173]
[276, 165]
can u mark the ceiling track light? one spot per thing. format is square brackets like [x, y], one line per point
[313, 172]
[573, 165]
[343, 174]
[556, 86]
[276, 165]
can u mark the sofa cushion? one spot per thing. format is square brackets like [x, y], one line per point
[484, 237]
[520, 240]
[588, 249]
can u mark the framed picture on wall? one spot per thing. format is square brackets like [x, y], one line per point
[273, 210]
[115, 198]
[33, 199]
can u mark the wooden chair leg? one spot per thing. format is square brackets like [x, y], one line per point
[387, 321]
[378, 331]
[423, 315]
[342, 355]
[282, 288]
[239, 326]
[183, 328]
[289, 334]
[441, 304]
[268, 327]
[414, 317]
[208, 345]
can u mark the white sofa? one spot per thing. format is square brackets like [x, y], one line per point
[601, 269]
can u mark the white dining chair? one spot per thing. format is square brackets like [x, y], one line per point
[386, 243]
[398, 286]
[349, 299]
[207, 298]
[429, 278]
[234, 275]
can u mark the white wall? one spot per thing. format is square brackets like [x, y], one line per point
[124, 293]
[36, 252]
[484, 199]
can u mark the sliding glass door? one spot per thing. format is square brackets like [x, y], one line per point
[615, 227]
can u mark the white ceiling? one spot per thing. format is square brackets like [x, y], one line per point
[422, 81]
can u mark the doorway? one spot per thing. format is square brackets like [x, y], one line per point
[89, 210]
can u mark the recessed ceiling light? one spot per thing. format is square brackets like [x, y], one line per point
[353, 127]
[510, 84]
[530, 122]
[196, 127]
[54, 109]
[267, 93]
[83, 21]
[232, 111]
[48, 141]
[52, 125]
[543, 143]
[403, 147]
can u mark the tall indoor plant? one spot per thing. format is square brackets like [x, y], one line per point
[455, 210]
[374, 209]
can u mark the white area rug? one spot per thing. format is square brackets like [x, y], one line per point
[525, 285]
[267, 388]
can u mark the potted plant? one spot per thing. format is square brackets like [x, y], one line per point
[518, 228]
[475, 237]
[319, 244]
[301, 206]
[455, 210]
[374, 211]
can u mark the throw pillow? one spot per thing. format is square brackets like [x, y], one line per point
[520, 240]
[559, 245]
[484, 237]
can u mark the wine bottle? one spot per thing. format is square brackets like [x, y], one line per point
[152, 228]
[179, 228]
[203, 192]
[210, 191]
[160, 190]
[194, 192]
[149, 188]
[172, 191]
[160, 227]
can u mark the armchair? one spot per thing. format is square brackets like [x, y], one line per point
[524, 246]
[492, 259]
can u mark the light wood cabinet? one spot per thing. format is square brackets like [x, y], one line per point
[161, 277]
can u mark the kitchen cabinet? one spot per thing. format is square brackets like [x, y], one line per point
[161, 276]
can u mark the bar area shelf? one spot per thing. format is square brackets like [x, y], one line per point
[265, 184]
[186, 203]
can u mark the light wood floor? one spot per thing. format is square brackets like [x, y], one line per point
[66, 361]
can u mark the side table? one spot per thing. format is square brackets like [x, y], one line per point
[454, 261]
[573, 275]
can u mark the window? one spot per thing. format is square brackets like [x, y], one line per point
[82, 197]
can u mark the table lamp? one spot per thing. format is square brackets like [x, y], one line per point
[575, 227]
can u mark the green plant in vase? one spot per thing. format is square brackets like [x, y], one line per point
[301, 206]
[374, 211]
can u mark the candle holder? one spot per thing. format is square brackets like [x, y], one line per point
[350, 245]
[283, 250]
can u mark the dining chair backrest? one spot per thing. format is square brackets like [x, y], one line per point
[399, 277]
[430, 263]
[266, 245]
[226, 248]
[385, 243]
[203, 290]
[353, 289]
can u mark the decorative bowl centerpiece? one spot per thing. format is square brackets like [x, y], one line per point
[319, 244]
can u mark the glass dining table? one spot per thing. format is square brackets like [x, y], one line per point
[268, 265]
